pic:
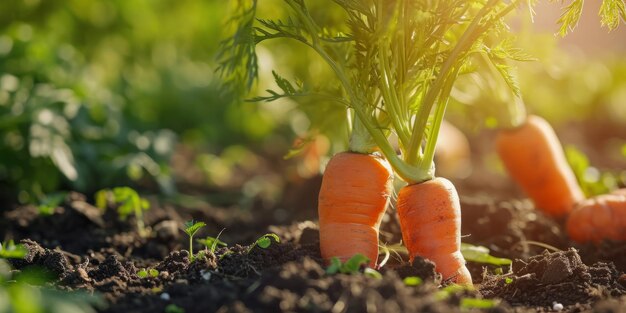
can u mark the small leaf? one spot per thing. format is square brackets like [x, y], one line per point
[101, 199]
[412, 281]
[211, 243]
[153, 272]
[12, 251]
[353, 265]
[173, 308]
[265, 241]
[143, 273]
[508, 280]
[334, 267]
[480, 254]
[191, 227]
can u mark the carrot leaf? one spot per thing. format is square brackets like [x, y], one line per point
[412, 281]
[570, 17]
[481, 254]
[612, 12]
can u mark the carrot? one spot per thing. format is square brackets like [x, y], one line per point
[598, 218]
[355, 192]
[534, 158]
[430, 218]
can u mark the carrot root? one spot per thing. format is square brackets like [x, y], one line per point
[599, 218]
[533, 156]
[430, 219]
[355, 192]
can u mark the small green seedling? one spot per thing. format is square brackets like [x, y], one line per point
[351, 266]
[412, 281]
[474, 303]
[211, 243]
[50, 202]
[128, 201]
[145, 273]
[508, 280]
[264, 241]
[173, 308]
[481, 254]
[10, 250]
[449, 290]
[191, 228]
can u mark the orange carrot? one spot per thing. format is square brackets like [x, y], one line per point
[355, 192]
[534, 158]
[430, 218]
[598, 218]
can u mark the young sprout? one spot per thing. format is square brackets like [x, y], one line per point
[211, 243]
[351, 266]
[264, 241]
[10, 250]
[412, 281]
[191, 228]
[128, 201]
[145, 273]
[50, 202]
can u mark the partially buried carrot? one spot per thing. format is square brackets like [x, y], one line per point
[355, 192]
[598, 218]
[534, 158]
[430, 218]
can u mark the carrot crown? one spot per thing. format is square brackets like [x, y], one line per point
[396, 66]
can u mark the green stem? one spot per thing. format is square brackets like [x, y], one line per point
[431, 144]
[514, 112]
[190, 247]
[424, 109]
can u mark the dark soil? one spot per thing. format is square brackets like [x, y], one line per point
[85, 248]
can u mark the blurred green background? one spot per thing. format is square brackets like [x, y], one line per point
[105, 93]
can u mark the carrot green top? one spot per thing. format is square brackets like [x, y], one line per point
[397, 64]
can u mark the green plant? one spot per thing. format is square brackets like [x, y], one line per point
[143, 273]
[592, 181]
[50, 202]
[25, 292]
[481, 254]
[128, 202]
[10, 250]
[412, 281]
[191, 228]
[352, 266]
[211, 243]
[264, 241]
[173, 308]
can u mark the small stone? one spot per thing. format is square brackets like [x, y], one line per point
[557, 306]
[205, 275]
[165, 296]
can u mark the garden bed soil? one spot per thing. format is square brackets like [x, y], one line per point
[91, 250]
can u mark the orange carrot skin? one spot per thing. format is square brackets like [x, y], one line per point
[533, 156]
[599, 218]
[355, 192]
[430, 219]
